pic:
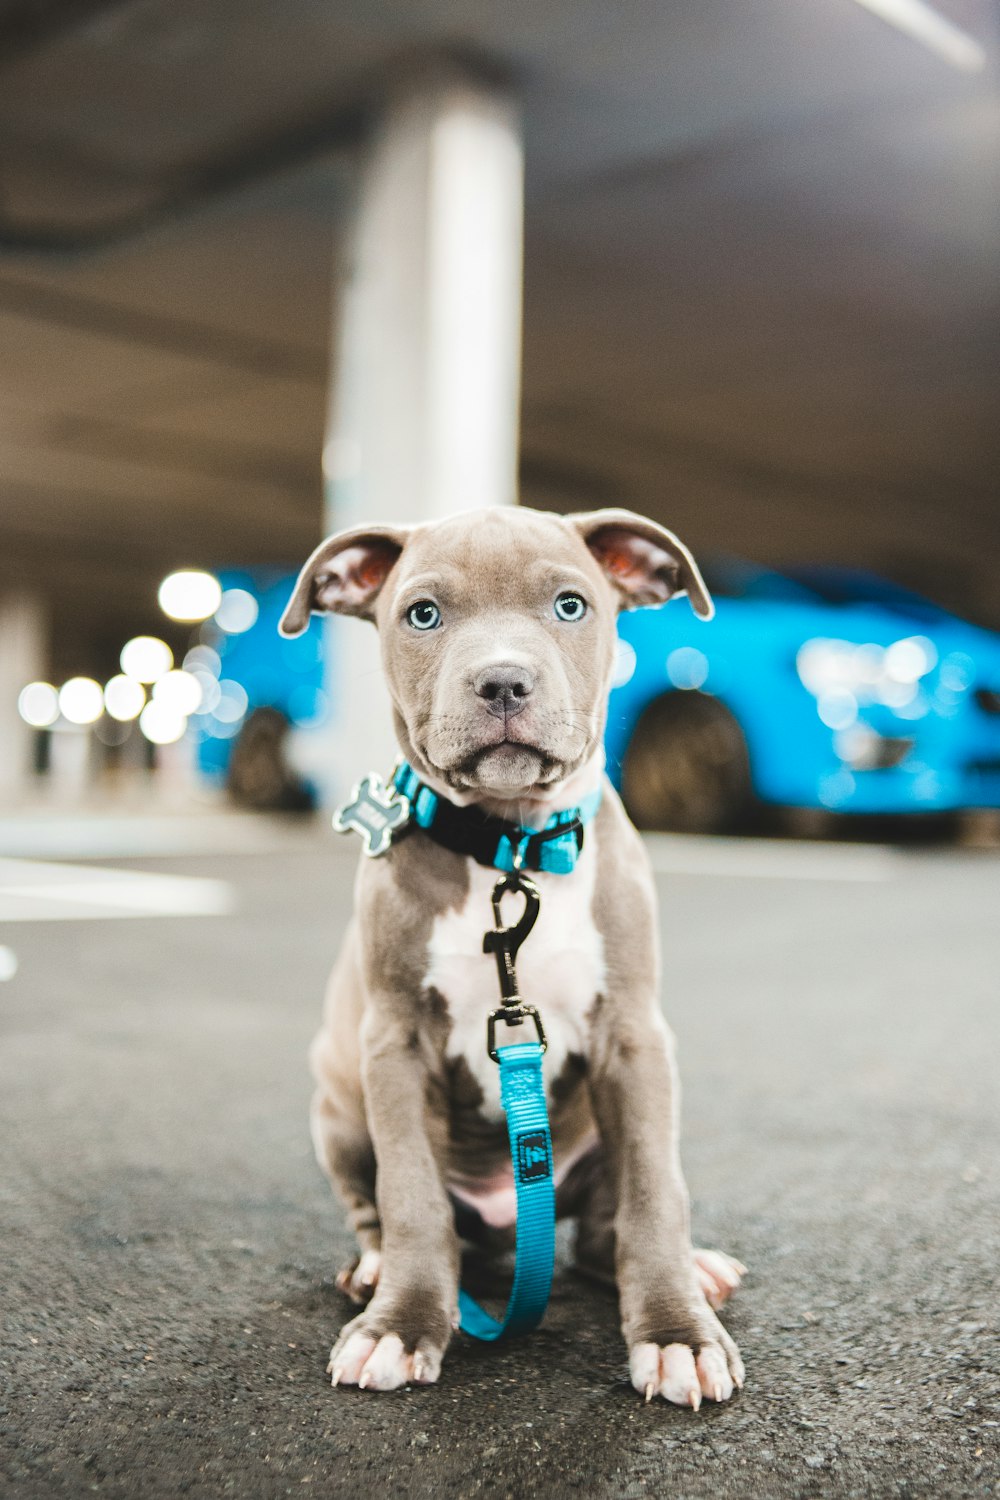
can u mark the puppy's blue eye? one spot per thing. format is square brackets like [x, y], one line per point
[570, 607]
[424, 615]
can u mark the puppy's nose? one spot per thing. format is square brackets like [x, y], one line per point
[504, 688]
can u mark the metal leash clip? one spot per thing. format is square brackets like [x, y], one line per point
[504, 943]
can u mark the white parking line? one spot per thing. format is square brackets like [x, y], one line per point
[755, 859]
[32, 891]
[125, 836]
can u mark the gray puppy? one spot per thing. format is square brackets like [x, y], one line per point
[498, 643]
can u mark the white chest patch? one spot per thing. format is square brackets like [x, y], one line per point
[560, 969]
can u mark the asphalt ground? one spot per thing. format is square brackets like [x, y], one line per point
[169, 1244]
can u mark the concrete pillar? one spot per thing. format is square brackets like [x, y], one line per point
[426, 380]
[22, 660]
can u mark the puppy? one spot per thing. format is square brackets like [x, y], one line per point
[498, 639]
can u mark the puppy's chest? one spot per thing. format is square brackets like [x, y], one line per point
[560, 969]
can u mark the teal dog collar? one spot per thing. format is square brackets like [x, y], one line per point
[554, 849]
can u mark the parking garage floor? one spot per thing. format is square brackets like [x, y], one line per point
[170, 1245]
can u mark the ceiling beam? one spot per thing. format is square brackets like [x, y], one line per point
[35, 24]
[200, 188]
[219, 346]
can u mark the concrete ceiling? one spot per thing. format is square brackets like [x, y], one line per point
[761, 279]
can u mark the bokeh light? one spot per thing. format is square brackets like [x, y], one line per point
[161, 724]
[81, 700]
[146, 658]
[190, 595]
[838, 708]
[203, 659]
[836, 671]
[910, 659]
[218, 730]
[624, 667]
[124, 698]
[38, 704]
[237, 612]
[896, 692]
[687, 668]
[210, 691]
[178, 691]
[958, 672]
[232, 704]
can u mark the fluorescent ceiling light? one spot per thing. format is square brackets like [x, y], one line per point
[925, 24]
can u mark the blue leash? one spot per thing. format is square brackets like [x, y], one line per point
[522, 1094]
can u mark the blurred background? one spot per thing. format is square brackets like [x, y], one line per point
[266, 271]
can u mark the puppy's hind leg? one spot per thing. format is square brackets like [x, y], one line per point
[338, 1119]
[718, 1275]
[592, 1198]
[344, 1151]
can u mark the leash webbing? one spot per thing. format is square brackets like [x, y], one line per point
[522, 1095]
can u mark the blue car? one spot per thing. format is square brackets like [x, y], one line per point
[825, 689]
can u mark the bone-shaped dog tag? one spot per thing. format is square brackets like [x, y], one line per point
[376, 812]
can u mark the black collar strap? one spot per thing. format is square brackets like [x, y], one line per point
[494, 841]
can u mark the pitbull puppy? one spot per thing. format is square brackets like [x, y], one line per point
[498, 643]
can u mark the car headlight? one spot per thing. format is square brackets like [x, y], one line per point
[844, 676]
[910, 659]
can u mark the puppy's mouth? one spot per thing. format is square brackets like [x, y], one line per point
[505, 767]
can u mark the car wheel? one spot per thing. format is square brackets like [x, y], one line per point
[686, 768]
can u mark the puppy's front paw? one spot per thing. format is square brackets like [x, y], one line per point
[380, 1351]
[706, 1364]
[382, 1364]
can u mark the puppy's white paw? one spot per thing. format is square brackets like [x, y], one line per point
[360, 1278]
[675, 1373]
[348, 1358]
[718, 1275]
[382, 1364]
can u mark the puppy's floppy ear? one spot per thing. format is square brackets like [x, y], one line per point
[646, 563]
[344, 575]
